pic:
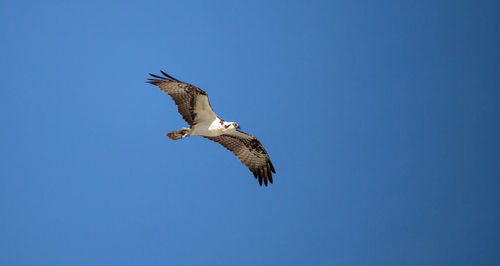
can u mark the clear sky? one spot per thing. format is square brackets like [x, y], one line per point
[381, 117]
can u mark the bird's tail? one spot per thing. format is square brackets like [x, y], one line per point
[178, 134]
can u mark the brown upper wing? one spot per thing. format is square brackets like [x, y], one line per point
[250, 152]
[192, 102]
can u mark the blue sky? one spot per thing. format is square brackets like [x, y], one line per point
[381, 118]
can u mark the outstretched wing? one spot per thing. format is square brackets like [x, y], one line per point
[250, 152]
[192, 102]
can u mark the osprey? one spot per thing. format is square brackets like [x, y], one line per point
[192, 103]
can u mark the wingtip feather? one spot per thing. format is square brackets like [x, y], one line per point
[269, 174]
[156, 76]
[272, 167]
[168, 76]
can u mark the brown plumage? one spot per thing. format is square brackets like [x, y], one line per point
[183, 94]
[250, 152]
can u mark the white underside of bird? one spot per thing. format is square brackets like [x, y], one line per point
[212, 129]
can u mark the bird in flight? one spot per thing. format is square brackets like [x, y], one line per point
[193, 105]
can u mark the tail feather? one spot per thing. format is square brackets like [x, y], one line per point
[178, 134]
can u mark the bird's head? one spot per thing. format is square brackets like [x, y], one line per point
[231, 126]
[235, 125]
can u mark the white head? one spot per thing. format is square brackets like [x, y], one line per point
[231, 125]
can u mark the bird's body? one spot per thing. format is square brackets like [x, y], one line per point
[213, 128]
[193, 105]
